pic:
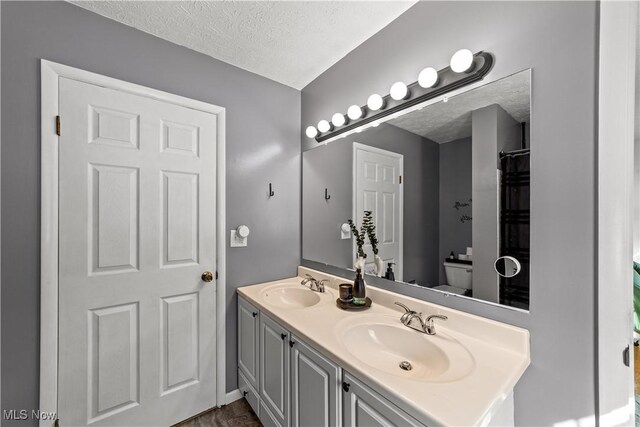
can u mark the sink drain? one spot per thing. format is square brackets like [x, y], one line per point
[405, 366]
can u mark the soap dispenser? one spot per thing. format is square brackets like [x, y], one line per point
[389, 275]
[359, 292]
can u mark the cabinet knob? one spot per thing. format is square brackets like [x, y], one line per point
[254, 314]
[291, 343]
[283, 336]
[346, 386]
[244, 393]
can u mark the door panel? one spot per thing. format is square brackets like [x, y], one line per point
[114, 216]
[314, 388]
[113, 364]
[179, 345]
[179, 218]
[136, 231]
[111, 127]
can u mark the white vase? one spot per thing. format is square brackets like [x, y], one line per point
[359, 264]
[379, 265]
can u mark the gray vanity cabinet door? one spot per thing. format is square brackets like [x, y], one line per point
[363, 407]
[274, 369]
[314, 387]
[248, 341]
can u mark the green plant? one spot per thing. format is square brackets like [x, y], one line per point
[359, 235]
[369, 226]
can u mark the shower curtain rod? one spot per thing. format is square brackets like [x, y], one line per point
[522, 152]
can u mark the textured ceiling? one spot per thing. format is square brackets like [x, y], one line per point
[447, 121]
[291, 42]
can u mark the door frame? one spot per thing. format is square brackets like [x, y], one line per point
[363, 147]
[614, 402]
[50, 73]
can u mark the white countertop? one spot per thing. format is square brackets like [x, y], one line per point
[500, 352]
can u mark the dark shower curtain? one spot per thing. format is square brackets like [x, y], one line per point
[515, 226]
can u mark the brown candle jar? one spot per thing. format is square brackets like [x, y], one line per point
[346, 292]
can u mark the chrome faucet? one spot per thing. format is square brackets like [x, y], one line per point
[427, 326]
[314, 284]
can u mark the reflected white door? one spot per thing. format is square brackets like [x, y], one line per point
[137, 203]
[378, 189]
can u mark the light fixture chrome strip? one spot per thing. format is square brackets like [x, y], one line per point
[447, 81]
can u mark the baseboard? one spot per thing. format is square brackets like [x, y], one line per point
[234, 395]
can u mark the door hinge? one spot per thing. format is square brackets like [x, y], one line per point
[400, 179]
[625, 356]
[216, 274]
[58, 125]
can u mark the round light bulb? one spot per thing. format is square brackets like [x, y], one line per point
[311, 132]
[354, 112]
[324, 126]
[428, 77]
[399, 91]
[462, 61]
[338, 119]
[375, 102]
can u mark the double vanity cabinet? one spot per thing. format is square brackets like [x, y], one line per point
[302, 361]
[288, 383]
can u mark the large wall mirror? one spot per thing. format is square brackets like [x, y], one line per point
[447, 185]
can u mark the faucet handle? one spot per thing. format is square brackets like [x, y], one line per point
[430, 328]
[406, 309]
[307, 278]
[405, 319]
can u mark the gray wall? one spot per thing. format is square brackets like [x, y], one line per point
[328, 166]
[555, 39]
[332, 165]
[263, 145]
[455, 186]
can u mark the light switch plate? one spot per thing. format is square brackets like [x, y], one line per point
[236, 241]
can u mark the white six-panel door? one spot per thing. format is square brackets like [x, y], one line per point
[137, 228]
[377, 188]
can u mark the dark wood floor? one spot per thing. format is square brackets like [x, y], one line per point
[236, 414]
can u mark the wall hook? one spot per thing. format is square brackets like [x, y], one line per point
[326, 194]
[271, 193]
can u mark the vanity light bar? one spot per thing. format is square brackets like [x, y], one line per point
[446, 80]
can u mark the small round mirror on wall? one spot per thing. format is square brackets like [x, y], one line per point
[507, 266]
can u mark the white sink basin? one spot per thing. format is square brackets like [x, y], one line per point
[290, 296]
[384, 344]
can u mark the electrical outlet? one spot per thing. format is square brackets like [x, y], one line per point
[345, 231]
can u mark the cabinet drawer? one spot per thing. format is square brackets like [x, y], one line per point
[249, 393]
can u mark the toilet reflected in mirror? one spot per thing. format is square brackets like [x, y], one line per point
[459, 275]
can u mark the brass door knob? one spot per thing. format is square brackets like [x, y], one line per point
[207, 276]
